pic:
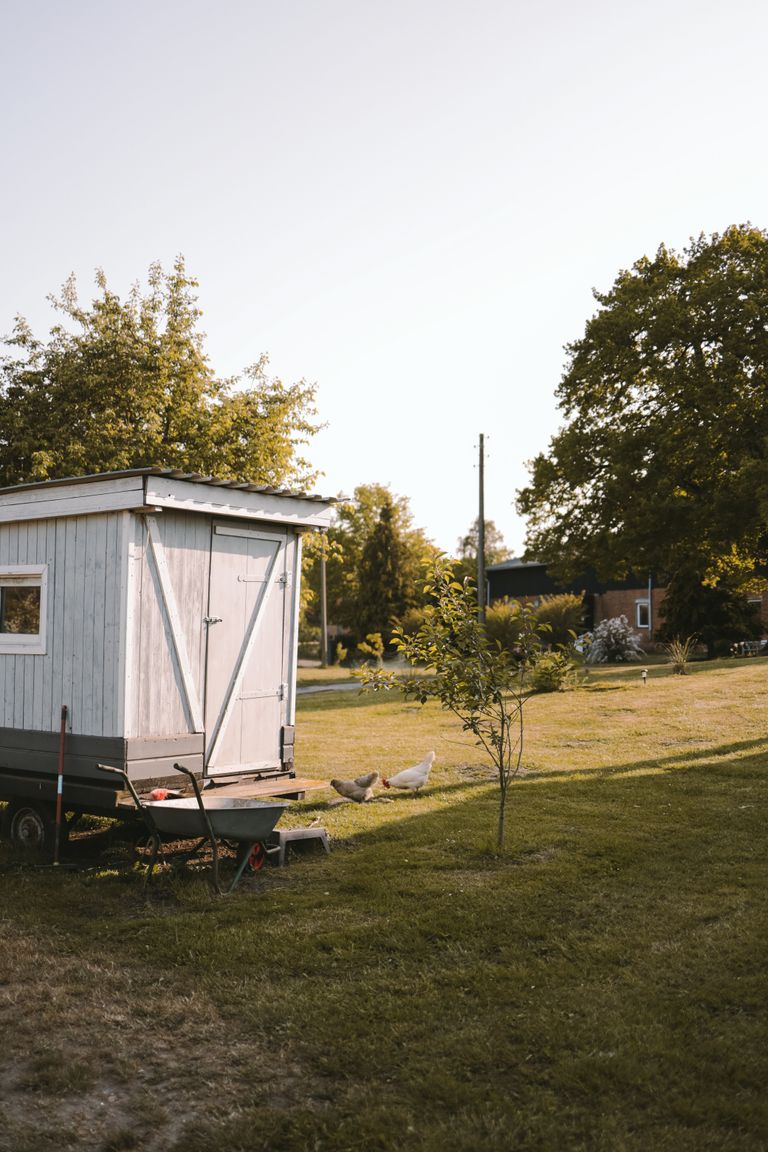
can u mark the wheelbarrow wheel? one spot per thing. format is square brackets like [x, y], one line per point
[254, 856]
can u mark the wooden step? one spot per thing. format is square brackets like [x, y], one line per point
[294, 788]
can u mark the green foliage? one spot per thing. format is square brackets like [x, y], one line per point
[719, 614]
[477, 679]
[411, 621]
[563, 615]
[679, 652]
[661, 464]
[127, 384]
[465, 565]
[558, 618]
[552, 672]
[341, 653]
[504, 622]
[373, 646]
[383, 594]
[398, 546]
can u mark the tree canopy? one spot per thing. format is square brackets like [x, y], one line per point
[465, 564]
[662, 462]
[126, 384]
[375, 560]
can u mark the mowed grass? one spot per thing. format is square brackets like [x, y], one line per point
[598, 986]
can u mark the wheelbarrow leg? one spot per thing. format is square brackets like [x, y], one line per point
[153, 858]
[245, 851]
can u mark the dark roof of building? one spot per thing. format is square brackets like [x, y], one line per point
[531, 578]
[172, 474]
[504, 565]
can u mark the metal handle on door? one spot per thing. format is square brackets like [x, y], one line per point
[212, 619]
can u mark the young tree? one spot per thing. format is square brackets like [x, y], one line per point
[662, 463]
[125, 384]
[475, 678]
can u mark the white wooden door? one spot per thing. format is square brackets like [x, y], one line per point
[246, 657]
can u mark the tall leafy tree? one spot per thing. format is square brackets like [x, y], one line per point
[383, 589]
[662, 461]
[127, 383]
[348, 573]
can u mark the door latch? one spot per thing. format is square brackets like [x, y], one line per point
[212, 619]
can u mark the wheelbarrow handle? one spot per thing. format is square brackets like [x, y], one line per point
[143, 810]
[126, 781]
[206, 821]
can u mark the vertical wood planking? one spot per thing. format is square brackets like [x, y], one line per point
[291, 628]
[50, 560]
[116, 639]
[6, 665]
[17, 712]
[72, 694]
[57, 621]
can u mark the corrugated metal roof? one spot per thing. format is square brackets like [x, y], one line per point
[173, 474]
[507, 565]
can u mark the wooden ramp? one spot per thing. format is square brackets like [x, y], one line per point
[294, 789]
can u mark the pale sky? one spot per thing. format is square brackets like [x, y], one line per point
[407, 203]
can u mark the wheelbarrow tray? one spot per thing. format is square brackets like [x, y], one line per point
[231, 818]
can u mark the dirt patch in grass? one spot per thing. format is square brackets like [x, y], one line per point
[99, 1056]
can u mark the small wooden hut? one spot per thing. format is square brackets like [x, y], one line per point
[161, 608]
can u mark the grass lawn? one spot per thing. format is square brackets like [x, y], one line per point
[600, 986]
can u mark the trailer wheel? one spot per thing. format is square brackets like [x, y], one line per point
[33, 826]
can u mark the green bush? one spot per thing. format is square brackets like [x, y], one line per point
[553, 672]
[503, 622]
[411, 621]
[563, 615]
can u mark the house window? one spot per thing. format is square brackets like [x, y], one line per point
[22, 609]
[642, 614]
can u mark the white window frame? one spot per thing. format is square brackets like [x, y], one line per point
[26, 576]
[640, 604]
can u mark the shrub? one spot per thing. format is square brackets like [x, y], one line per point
[373, 645]
[341, 653]
[614, 642]
[504, 622]
[679, 653]
[552, 672]
[411, 621]
[563, 615]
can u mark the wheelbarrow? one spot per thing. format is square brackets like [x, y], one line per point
[244, 822]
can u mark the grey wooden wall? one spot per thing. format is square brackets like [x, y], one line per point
[80, 667]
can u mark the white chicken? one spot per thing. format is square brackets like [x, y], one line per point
[358, 790]
[412, 779]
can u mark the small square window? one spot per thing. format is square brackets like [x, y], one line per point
[22, 609]
[19, 610]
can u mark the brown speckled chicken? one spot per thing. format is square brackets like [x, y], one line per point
[358, 790]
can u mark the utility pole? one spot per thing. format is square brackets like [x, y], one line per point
[481, 537]
[323, 609]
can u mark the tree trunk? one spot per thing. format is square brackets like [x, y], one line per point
[502, 815]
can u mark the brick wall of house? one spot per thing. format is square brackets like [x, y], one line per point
[624, 603]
